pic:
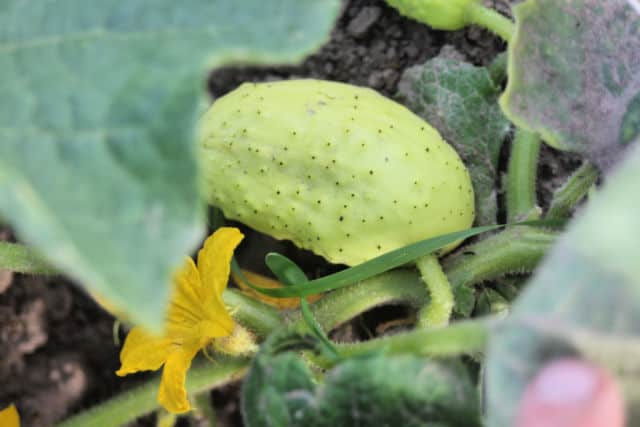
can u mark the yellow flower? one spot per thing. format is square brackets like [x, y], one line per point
[9, 417]
[196, 316]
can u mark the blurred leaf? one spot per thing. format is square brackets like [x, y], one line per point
[460, 100]
[574, 75]
[99, 101]
[373, 390]
[584, 300]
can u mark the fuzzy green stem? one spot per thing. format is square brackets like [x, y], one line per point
[517, 249]
[144, 398]
[22, 259]
[576, 187]
[491, 20]
[521, 177]
[438, 311]
[260, 318]
[466, 337]
[342, 305]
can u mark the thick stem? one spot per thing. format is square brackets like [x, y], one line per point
[260, 318]
[144, 398]
[521, 177]
[517, 249]
[576, 187]
[466, 337]
[22, 259]
[491, 20]
[438, 311]
[342, 305]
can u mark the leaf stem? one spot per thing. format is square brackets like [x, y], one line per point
[576, 187]
[466, 337]
[517, 249]
[521, 176]
[143, 399]
[342, 305]
[257, 316]
[438, 311]
[491, 20]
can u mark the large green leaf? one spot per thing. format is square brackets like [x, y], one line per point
[460, 100]
[574, 74]
[373, 390]
[584, 300]
[99, 101]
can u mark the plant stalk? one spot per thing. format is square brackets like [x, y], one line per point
[465, 337]
[395, 287]
[521, 177]
[255, 315]
[573, 191]
[515, 250]
[143, 399]
[491, 20]
[438, 311]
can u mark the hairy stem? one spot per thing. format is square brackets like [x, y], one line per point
[143, 398]
[438, 311]
[515, 250]
[521, 176]
[22, 259]
[576, 187]
[491, 20]
[342, 305]
[260, 318]
[466, 337]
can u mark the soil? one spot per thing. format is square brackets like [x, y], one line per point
[57, 349]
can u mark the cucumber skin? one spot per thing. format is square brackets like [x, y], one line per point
[337, 169]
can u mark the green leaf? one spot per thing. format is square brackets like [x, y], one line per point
[372, 390]
[287, 271]
[460, 100]
[99, 102]
[574, 75]
[584, 300]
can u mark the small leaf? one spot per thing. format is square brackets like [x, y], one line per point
[99, 102]
[584, 300]
[460, 100]
[372, 390]
[574, 75]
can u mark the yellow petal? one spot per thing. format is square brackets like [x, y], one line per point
[266, 282]
[9, 417]
[186, 307]
[143, 352]
[173, 394]
[214, 259]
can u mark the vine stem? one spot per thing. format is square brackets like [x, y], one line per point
[22, 259]
[256, 316]
[143, 399]
[515, 250]
[521, 176]
[576, 187]
[465, 337]
[491, 20]
[438, 311]
[394, 287]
